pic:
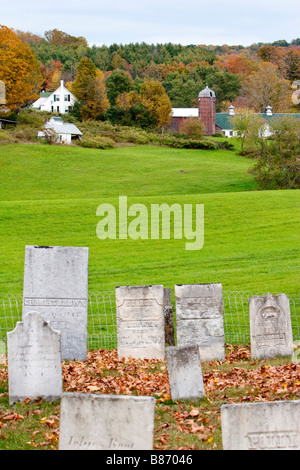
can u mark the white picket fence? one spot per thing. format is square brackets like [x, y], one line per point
[102, 328]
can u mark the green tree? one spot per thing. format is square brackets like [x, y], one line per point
[118, 82]
[278, 164]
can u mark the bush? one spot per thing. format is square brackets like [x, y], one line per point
[96, 142]
[192, 127]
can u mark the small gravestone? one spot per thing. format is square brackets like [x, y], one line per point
[185, 372]
[199, 319]
[56, 286]
[106, 422]
[169, 320]
[140, 322]
[34, 360]
[270, 326]
[261, 426]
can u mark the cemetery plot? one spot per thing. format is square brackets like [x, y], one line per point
[56, 286]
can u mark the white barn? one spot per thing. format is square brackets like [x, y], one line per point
[59, 101]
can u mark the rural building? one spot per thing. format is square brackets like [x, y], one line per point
[58, 101]
[215, 122]
[60, 131]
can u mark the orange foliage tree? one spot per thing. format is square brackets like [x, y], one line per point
[19, 70]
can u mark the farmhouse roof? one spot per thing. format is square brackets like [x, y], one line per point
[61, 127]
[224, 121]
[185, 112]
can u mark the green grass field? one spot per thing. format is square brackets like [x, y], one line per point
[50, 194]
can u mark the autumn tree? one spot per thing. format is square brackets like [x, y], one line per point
[156, 100]
[265, 88]
[19, 70]
[89, 89]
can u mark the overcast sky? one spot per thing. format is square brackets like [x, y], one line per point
[159, 21]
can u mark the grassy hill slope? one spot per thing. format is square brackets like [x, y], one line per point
[50, 194]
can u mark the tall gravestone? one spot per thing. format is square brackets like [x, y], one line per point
[185, 372]
[56, 286]
[140, 322]
[199, 319]
[261, 426]
[106, 422]
[270, 326]
[34, 360]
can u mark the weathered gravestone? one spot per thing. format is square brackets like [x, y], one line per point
[56, 286]
[34, 360]
[106, 422]
[199, 319]
[140, 322]
[185, 372]
[261, 426]
[169, 320]
[270, 326]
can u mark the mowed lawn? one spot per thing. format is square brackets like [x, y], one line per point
[50, 195]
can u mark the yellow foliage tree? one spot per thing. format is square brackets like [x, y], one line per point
[156, 100]
[19, 70]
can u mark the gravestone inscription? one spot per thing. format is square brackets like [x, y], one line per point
[261, 426]
[199, 319]
[140, 322]
[185, 372]
[56, 286]
[34, 360]
[106, 422]
[270, 326]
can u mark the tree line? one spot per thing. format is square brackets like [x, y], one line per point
[254, 76]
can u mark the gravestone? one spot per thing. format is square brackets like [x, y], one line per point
[185, 372]
[199, 319]
[56, 286]
[270, 326]
[34, 360]
[169, 319]
[106, 422]
[140, 322]
[261, 426]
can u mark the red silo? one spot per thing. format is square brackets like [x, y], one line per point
[207, 110]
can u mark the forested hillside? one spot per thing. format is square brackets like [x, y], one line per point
[137, 84]
[182, 70]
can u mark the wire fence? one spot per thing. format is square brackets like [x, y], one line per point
[102, 324]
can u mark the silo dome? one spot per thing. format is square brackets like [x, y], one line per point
[207, 93]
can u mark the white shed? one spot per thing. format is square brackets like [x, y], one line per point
[63, 132]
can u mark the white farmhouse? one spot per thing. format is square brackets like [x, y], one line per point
[58, 101]
[60, 131]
